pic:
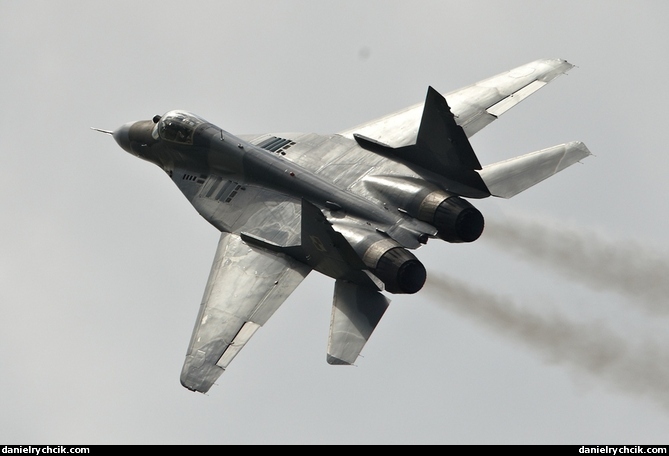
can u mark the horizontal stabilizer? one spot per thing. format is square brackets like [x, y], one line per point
[510, 177]
[355, 313]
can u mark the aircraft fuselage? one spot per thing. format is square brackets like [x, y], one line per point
[202, 148]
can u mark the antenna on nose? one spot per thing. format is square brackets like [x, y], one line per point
[103, 131]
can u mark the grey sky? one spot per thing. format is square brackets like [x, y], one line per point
[104, 262]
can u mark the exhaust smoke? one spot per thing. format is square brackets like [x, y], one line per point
[641, 369]
[624, 267]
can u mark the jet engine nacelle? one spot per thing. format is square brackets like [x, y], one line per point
[398, 269]
[455, 218]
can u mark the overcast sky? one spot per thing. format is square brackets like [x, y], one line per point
[549, 329]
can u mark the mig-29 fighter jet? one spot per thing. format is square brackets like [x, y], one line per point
[350, 205]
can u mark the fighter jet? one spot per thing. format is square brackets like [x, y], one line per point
[350, 205]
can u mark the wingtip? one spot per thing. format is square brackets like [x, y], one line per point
[561, 61]
[579, 147]
[202, 389]
[332, 360]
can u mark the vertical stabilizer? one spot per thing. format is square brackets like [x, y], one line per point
[441, 146]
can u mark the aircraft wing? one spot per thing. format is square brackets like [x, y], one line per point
[474, 106]
[246, 286]
[255, 269]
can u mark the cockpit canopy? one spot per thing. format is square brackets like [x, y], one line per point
[178, 126]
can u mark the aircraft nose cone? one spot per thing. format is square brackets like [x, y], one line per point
[122, 136]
